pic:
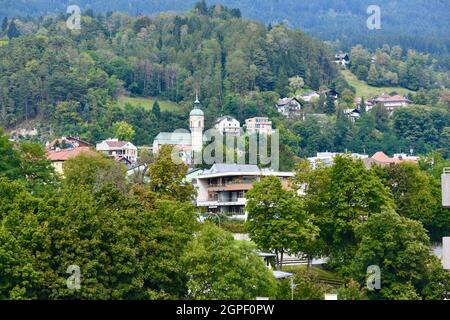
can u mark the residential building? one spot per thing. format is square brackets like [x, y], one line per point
[352, 114]
[261, 125]
[327, 158]
[369, 104]
[342, 59]
[289, 107]
[122, 151]
[392, 102]
[381, 159]
[62, 149]
[67, 143]
[228, 125]
[222, 189]
[58, 156]
[309, 96]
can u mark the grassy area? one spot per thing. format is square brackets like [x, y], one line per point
[147, 103]
[317, 272]
[364, 90]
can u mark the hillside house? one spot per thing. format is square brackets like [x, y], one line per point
[289, 107]
[342, 59]
[122, 151]
[309, 96]
[392, 102]
[228, 125]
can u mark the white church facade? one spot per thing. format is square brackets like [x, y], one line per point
[187, 143]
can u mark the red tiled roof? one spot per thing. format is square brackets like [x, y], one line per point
[65, 155]
[382, 157]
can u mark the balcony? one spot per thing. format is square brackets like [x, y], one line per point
[244, 184]
[223, 202]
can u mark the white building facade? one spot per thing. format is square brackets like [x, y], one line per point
[222, 189]
[228, 125]
[118, 149]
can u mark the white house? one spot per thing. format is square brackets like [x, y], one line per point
[289, 106]
[392, 102]
[309, 96]
[352, 114]
[342, 59]
[119, 150]
[228, 125]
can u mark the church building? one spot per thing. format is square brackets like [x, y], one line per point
[186, 142]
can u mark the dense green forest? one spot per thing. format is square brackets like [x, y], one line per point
[70, 82]
[411, 24]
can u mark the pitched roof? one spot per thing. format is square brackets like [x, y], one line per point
[349, 111]
[387, 98]
[115, 144]
[308, 94]
[174, 138]
[67, 154]
[382, 157]
[286, 101]
[228, 118]
[341, 55]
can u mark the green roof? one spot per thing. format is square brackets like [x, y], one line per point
[196, 112]
[174, 138]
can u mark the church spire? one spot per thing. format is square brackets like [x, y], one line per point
[197, 101]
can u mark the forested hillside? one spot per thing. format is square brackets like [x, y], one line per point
[407, 23]
[70, 80]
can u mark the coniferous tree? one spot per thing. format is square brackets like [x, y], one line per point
[5, 24]
[362, 107]
[13, 32]
[156, 110]
[330, 107]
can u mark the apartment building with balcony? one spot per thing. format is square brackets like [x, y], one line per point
[223, 188]
[261, 125]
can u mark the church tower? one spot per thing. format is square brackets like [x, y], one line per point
[197, 124]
